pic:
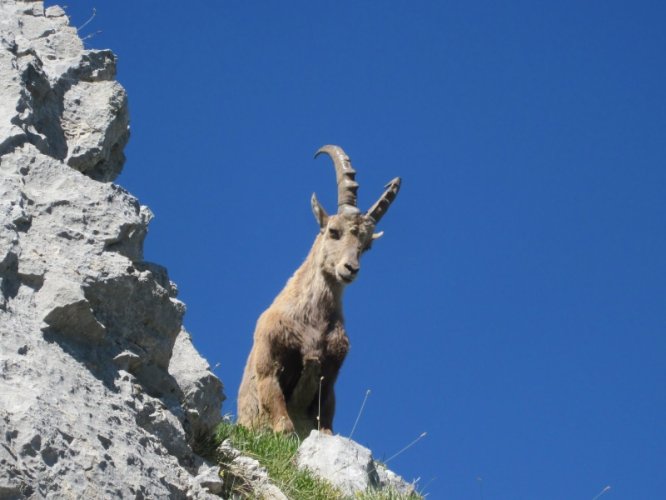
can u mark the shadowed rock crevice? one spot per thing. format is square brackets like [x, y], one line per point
[9, 279]
[41, 108]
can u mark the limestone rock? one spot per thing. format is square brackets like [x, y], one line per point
[102, 393]
[392, 481]
[57, 96]
[344, 463]
[198, 386]
[347, 465]
[208, 478]
[245, 476]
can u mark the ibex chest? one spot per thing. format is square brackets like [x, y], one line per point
[326, 342]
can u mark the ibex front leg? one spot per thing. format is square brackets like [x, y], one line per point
[336, 350]
[271, 398]
[327, 408]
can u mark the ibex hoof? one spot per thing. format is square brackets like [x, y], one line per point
[284, 425]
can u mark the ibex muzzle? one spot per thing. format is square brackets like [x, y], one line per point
[300, 340]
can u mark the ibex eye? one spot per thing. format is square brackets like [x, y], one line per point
[334, 233]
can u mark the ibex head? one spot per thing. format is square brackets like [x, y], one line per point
[343, 237]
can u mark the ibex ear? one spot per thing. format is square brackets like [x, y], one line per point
[319, 212]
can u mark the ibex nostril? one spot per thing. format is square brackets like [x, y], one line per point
[351, 268]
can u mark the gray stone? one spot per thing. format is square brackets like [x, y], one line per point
[95, 125]
[58, 96]
[389, 480]
[347, 465]
[101, 391]
[208, 477]
[201, 390]
[342, 462]
[245, 476]
[54, 11]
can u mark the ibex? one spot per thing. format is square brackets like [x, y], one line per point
[300, 340]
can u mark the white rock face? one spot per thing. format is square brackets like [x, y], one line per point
[101, 390]
[347, 465]
[247, 474]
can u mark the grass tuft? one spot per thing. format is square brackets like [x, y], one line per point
[276, 452]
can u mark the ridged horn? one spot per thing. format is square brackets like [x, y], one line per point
[377, 211]
[345, 176]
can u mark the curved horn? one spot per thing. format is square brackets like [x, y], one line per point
[378, 210]
[345, 176]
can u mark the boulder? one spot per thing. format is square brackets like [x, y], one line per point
[347, 465]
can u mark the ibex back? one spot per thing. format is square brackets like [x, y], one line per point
[300, 340]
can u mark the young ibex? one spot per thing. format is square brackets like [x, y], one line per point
[300, 340]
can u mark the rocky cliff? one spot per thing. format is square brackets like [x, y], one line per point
[102, 393]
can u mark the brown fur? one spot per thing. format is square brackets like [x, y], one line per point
[301, 337]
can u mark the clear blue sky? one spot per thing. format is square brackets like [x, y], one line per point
[515, 308]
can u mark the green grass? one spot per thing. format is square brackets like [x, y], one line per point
[276, 453]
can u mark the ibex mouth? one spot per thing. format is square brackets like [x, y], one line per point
[346, 278]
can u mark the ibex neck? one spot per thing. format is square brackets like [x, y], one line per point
[312, 297]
